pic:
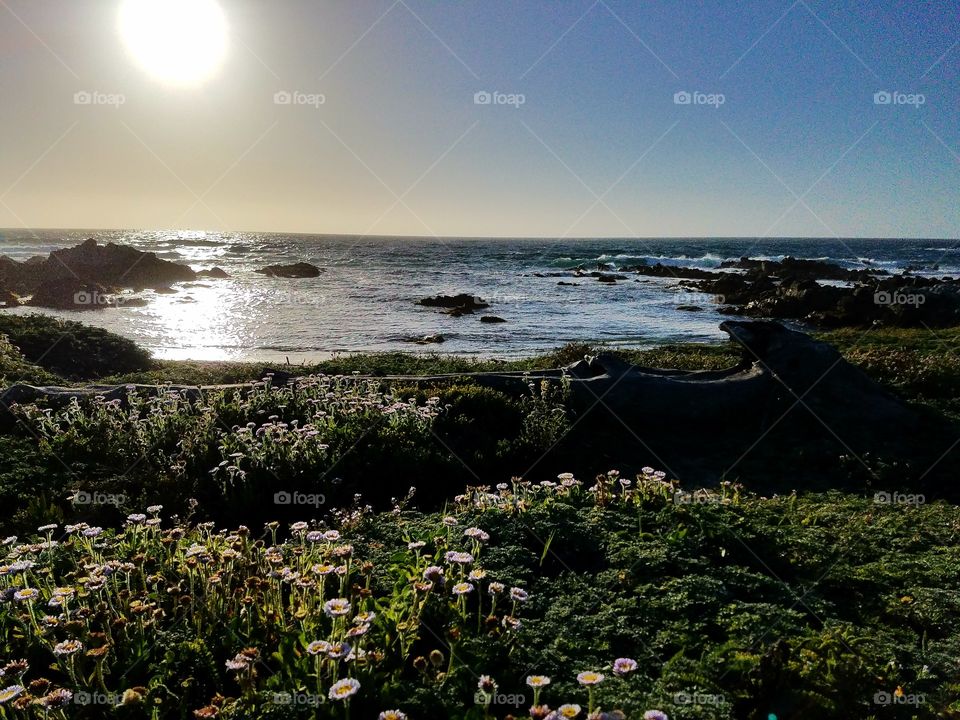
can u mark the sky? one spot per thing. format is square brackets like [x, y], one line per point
[586, 132]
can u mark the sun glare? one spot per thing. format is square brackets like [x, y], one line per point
[180, 42]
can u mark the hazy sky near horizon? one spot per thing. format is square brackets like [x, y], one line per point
[600, 145]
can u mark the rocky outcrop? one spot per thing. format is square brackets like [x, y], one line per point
[425, 339]
[114, 265]
[492, 319]
[455, 305]
[71, 294]
[296, 270]
[215, 272]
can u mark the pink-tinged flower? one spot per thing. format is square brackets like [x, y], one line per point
[434, 574]
[518, 595]
[26, 595]
[496, 588]
[458, 558]
[449, 521]
[93, 532]
[344, 689]
[487, 685]
[571, 710]
[590, 678]
[365, 617]
[338, 651]
[415, 545]
[318, 647]
[462, 588]
[299, 527]
[475, 533]
[624, 666]
[331, 536]
[538, 681]
[59, 698]
[655, 715]
[392, 715]
[67, 647]
[337, 607]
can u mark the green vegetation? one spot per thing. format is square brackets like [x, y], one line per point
[719, 604]
[70, 349]
[733, 606]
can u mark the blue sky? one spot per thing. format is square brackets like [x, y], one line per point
[598, 147]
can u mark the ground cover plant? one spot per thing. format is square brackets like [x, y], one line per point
[620, 594]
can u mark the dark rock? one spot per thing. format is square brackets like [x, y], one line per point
[9, 299]
[492, 319]
[72, 294]
[568, 284]
[689, 308]
[463, 300]
[214, 272]
[116, 265]
[296, 270]
[425, 339]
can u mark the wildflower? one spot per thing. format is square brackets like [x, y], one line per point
[538, 681]
[15, 667]
[624, 666]
[92, 532]
[496, 588]
[487, 685]
[331, 536]
[518, 595]
[511, 623]
[343, 551]
[314, 536]
[337, 607]
[10, 693]
[338, 650]
[449, 521]
[47, 528]
[391, 715]
[434, 573]
[26, 595]
[318, 647]
[477, 574]
[344, 689]
[322, 569]
[154, 509]
[10, 540]
[590, 678]
[459, 558]
[570, 710]
[298, 527]
[55, 699]
[655, 715]
[209, 711]
[541, 712]
[364, 617]
[136, 518]
[416, 545]
[463, 588]
[359, 630]
[475, 533]
[67, 647]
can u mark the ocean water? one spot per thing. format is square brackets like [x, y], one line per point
[365, 298]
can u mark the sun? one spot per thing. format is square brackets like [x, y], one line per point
[180, 42]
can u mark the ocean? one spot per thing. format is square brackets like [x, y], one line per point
[364, 300]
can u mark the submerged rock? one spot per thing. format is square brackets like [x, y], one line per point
[492, 319]
[296, 270]
[425, 339]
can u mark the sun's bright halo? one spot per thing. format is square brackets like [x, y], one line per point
[180, 42]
